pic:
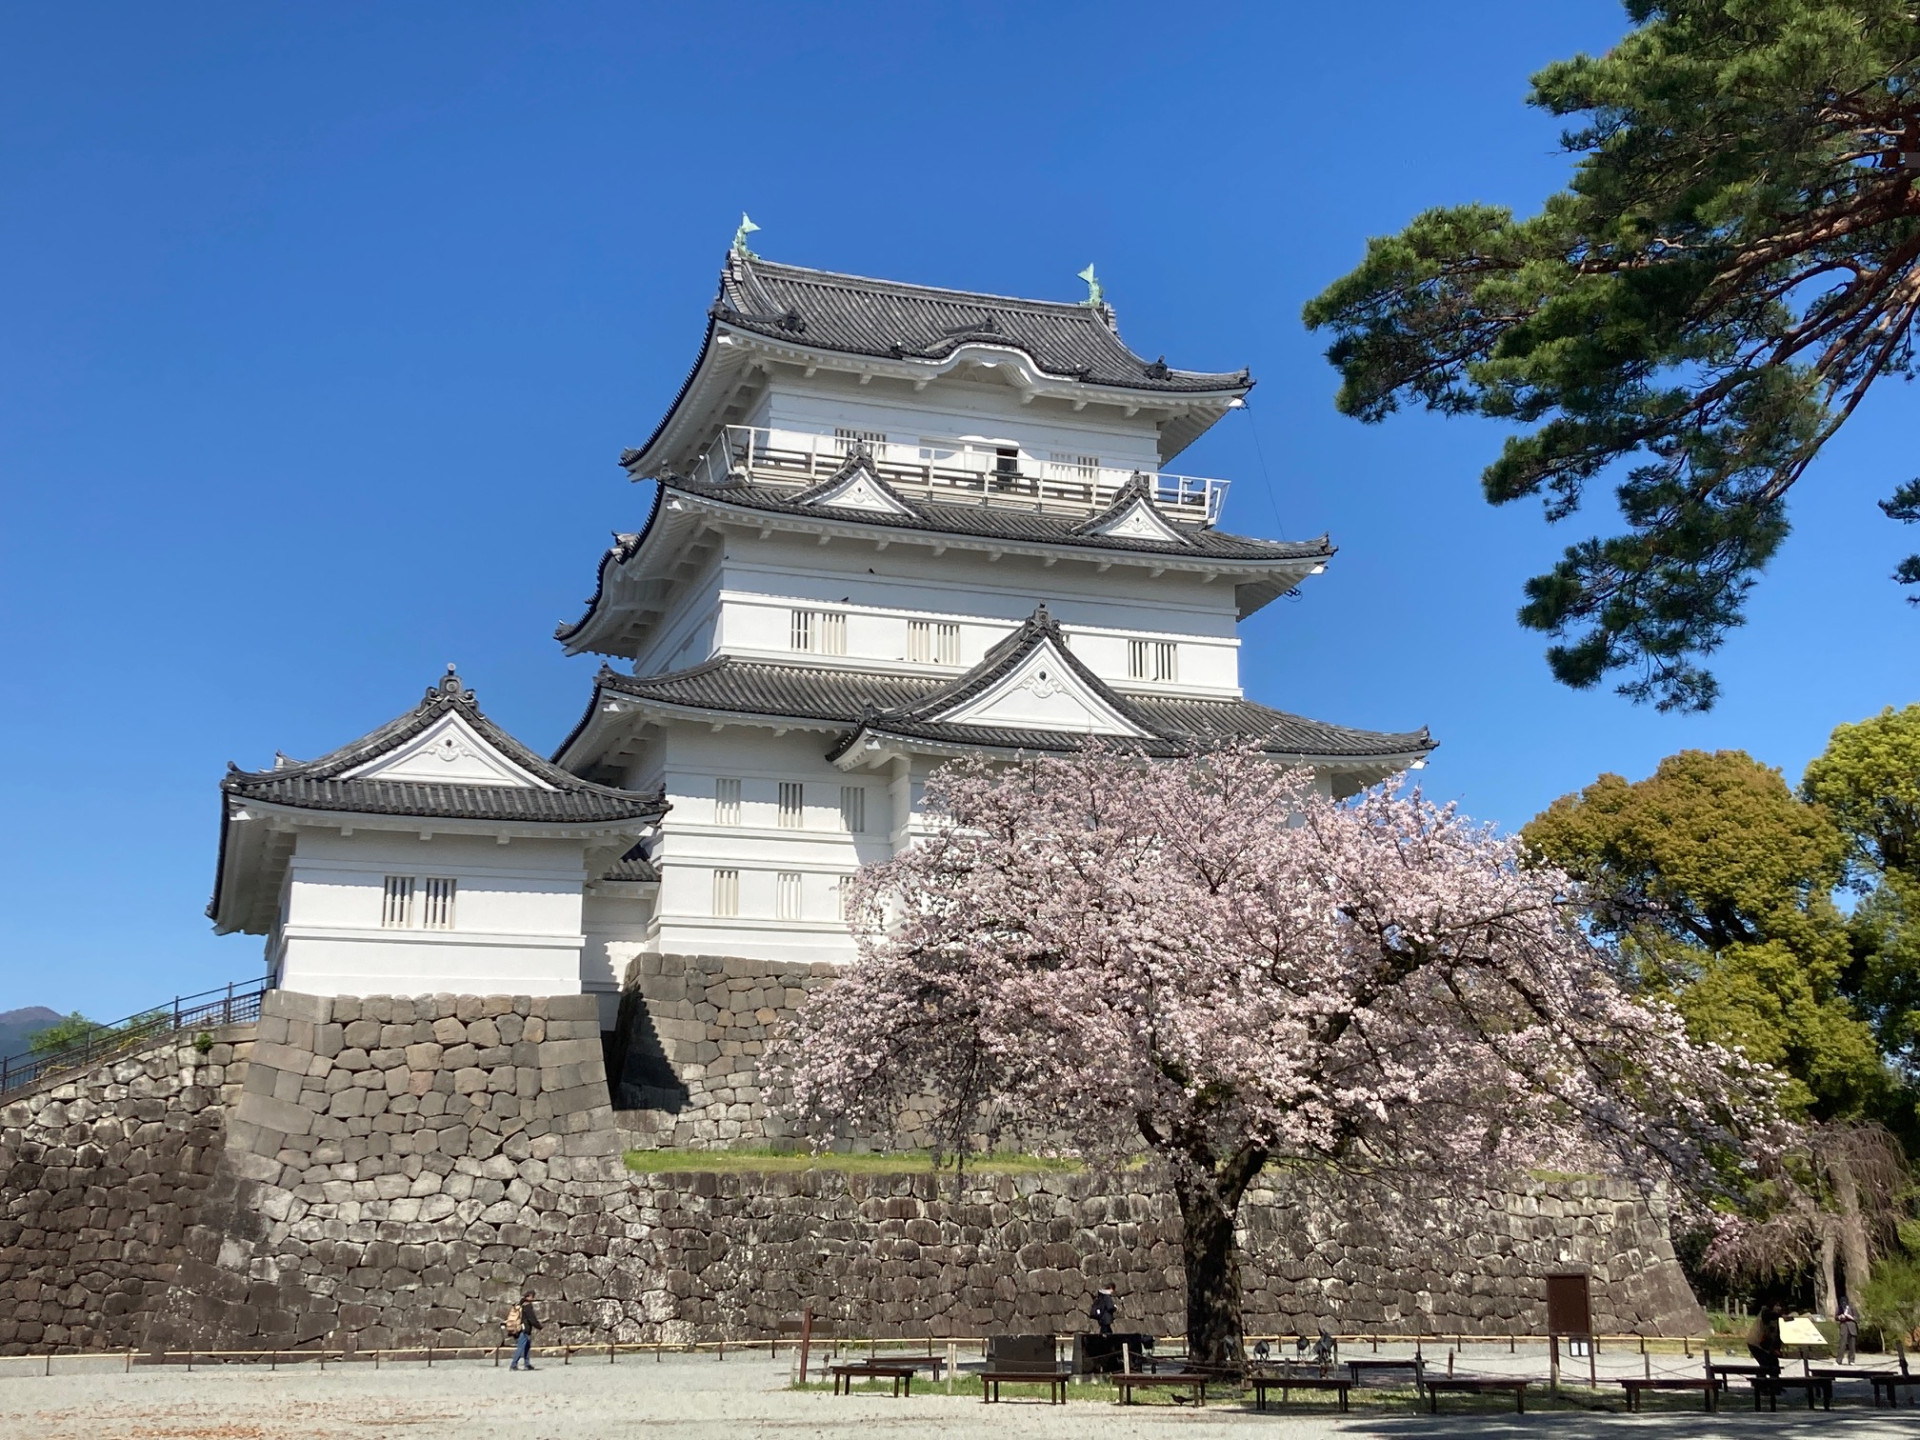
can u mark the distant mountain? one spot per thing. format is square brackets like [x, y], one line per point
[17, 1025]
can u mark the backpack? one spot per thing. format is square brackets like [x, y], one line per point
[513, 1319]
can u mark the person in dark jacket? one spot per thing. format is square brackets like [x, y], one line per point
[1104, 1309]
[1763, 1341]
[522, 1322]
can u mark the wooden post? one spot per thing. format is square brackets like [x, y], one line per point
[1646, 1362]
[953, 1362]
[1553, 1365]
[806, 1340]
[1593, 1363]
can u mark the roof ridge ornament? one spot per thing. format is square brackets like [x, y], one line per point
[747, 227]
[1096, 295]
[450, 688]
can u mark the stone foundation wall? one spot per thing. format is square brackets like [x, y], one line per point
[100, 1180]
[392, 1170]
[692, 1031]
[901, 1255]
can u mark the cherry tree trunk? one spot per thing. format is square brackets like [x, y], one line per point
[1212, 1260]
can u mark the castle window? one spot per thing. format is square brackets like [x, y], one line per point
[932, 642]
[786, 896]
[793, 805]
[726, 892]
[396, 910]
[1152, 660]
[726, 802]
[439, 907]
[853, 808]
[818, 632]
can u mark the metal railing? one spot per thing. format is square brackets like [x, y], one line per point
[983, 475]
[232, 1004]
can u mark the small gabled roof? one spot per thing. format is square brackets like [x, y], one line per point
[444, 761]
[483, 774]
[1165, 726]
[889, 319]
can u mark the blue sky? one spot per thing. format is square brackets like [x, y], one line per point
[322, 326]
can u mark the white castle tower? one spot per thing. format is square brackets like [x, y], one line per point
[891, 525]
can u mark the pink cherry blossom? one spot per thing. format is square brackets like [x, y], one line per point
[1207, 961]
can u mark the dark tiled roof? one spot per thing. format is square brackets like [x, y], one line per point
[795, 692]
[323, 784]
[634, 865]
[995, 522]
[886, 319]
[1173, 725]
[904, 705]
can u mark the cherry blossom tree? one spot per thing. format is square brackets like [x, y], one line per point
[1206, 961]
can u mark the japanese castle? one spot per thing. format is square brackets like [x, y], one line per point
[890, 525]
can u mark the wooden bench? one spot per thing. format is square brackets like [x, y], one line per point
[1636, 1385]
[1056, 1383]
[1893, 1384]
[1284, 1383]
[1476, 1385]
[1360, 1369]
[1194, 1384]
[845, 1375]
[1773, 1386]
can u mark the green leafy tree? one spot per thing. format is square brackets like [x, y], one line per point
[76, 1029]
[1717, 881]
[1734, 264]
[1868, 780]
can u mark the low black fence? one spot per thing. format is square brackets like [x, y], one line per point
[232, 1004]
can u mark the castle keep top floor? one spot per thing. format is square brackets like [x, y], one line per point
[1005, 451]
[942, 382]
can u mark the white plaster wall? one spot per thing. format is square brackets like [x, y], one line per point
[763, 582]
[517, 916]
[617, 921]
[691, 846]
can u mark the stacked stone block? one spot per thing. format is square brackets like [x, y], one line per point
[712, 1019]
[101, 1174]
[902, 1255]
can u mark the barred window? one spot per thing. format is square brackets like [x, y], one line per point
[726, 802]
[933, 642]
[793, 804]
[726, 892]
[439, 906]
[396, 911]
[1152, 660]
[786, 895]
[818, 632]
[845, 438]
[853, 808]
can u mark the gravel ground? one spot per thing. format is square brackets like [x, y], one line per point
[700, 1398]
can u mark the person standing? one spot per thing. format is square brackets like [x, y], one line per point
[1848, 1319]
[1763, 1341]
[1104, 1309]
[522, 1320]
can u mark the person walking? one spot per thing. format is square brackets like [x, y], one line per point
[1105, 1308]
[1848, 1319]
[522, 1320]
